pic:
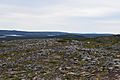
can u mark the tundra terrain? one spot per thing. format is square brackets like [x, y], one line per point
[60, 59]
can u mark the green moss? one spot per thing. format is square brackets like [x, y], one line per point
[53, 62]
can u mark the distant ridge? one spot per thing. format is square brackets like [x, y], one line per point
[13, 34]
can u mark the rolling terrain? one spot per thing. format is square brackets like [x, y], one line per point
[13, 35]
[61, 59]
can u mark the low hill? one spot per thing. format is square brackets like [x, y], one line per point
[12, 34]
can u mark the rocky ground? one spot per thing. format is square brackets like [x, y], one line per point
[60, 59]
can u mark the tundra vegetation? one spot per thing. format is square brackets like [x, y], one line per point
[60, 59]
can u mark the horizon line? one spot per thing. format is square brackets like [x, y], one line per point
[61, 31]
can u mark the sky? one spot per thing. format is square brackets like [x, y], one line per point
[79, 16]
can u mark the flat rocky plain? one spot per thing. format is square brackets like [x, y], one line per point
[60, 59]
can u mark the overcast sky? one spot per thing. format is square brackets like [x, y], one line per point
[89, 16]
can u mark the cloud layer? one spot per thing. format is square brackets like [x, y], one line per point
[61, 15]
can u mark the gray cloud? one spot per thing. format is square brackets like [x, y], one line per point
[61, 15]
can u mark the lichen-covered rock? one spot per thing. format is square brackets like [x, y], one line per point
[59, 59]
